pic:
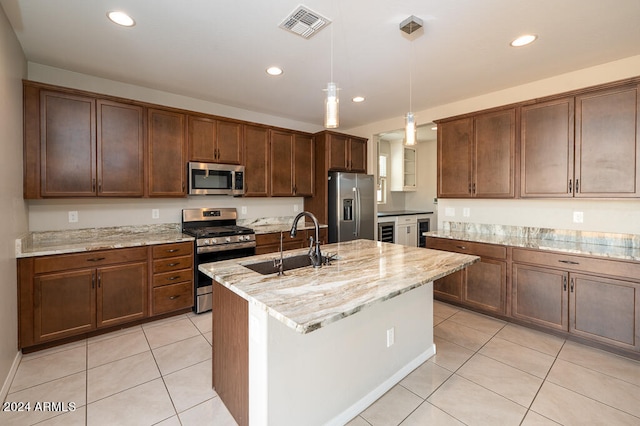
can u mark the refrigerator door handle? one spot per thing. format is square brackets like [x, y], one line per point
[358, 213]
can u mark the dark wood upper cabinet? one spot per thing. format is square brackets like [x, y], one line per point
[546, 148]
[455, 151]
[214, 141]
[303, 165]
[337, 146]
[494, 154]
[67, 145]
[344, 153]
[606, 143]
[167, 153]
[256, 161]
[281, 155]
[120, 149]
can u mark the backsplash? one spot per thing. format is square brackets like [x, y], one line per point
[564, 235]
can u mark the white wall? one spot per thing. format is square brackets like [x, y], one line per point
[12, 207]
[600, 215]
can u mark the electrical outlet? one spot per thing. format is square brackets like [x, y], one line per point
[243, 210]
[296, 208]
[466, 212]
[450, 211]
[73, 216]
[155, 213]
[578, 217]
[391, 338]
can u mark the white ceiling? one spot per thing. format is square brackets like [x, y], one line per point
[218, 50]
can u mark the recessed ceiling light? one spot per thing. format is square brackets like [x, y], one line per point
[121, 18]
[358, 99]
[274, 71]
[524, 40]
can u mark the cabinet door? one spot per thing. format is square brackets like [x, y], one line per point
[202, 137]
[540, 296]
[454, 158]
[64, 304]
[281, 154]
[120, 148]
[606, 310]
[337, 151]
[494, 155]
[67, 145]
[122, 294]
[167, 154]
[547, 149]
[450, 287]
[229, 142]
[486, 286]
[303, 166]
[256, 161]
[358, 155]
[607, 150]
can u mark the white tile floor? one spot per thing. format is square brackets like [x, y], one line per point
[486, 372]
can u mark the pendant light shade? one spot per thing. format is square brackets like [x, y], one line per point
[331, 120]
[410, 129]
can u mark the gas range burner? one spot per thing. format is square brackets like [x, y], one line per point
[216, 230]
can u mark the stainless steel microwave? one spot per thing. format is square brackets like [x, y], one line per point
[216, 179]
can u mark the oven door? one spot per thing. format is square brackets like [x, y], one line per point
[203, 284]
[215, 179]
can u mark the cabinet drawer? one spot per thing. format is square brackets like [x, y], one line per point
[468, 247]
[172, 297]
[570, 262]
[64, 262]
[406, 220]
[172, 277]
[171, 250]
[172, 264]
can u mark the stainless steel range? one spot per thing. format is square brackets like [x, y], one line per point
[217, 238]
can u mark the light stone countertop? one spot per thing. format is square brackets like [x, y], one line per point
[82, 240]
[611, 246]
[366, 273]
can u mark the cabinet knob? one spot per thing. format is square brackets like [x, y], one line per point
[95, 259]
[174, 297]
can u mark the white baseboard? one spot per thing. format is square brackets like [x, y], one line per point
[357, 408]
[9, 379]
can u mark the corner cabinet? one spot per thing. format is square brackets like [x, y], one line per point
[598, 159]
[476, 155]
[344, 153]
[596, 299]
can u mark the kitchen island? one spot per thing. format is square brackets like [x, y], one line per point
[317, 346]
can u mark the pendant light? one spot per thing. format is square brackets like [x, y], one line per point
[408, 26]
[331, 102]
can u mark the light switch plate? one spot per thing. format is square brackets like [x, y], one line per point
[155, 213]
[243, 210]
[578, 217]
[466, 212]
[73, 216]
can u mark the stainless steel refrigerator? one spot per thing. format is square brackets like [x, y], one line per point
[351, 206]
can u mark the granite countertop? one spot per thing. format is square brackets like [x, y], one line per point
[280, 227]
[366, 273]
[611, 246]
[81, 240]
[402, 213]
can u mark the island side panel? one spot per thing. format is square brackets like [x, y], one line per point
[328, 376]
[231, 352]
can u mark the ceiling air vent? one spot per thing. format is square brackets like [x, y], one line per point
[304, 22]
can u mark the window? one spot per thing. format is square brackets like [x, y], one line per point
[382, 179]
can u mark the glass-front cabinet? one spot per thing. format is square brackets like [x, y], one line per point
[403, 167]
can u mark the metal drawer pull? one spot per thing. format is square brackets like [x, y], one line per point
[569, 262]
[571, 285]
[173, 278]
[461, 247]
[172, 250]
[173, 264]
[564, 283]
[96, 259]
[174, 297]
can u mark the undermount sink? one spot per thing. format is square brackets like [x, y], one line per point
[288, 263]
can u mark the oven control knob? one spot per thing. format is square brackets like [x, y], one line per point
[241, 238]
[205, 242]
[227, 239]
[214, 241]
